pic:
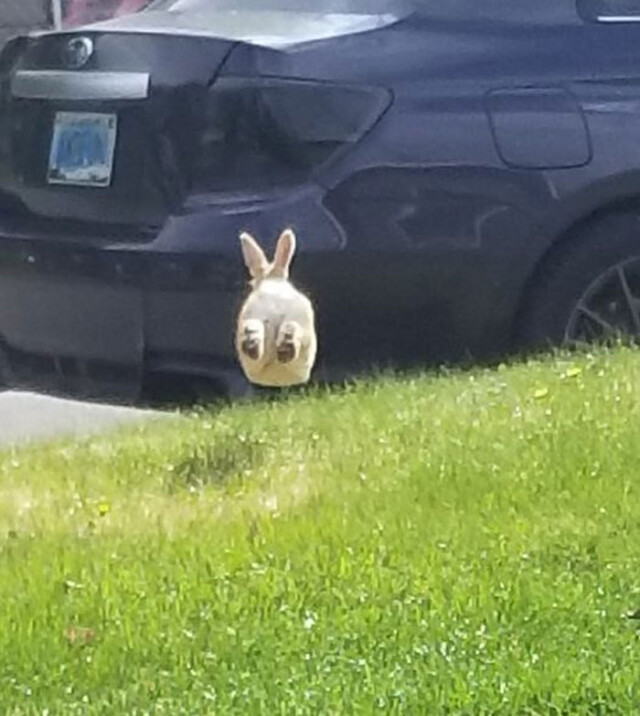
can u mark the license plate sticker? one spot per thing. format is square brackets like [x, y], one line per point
[82, 149]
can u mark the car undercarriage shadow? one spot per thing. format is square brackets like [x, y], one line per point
[170, 392]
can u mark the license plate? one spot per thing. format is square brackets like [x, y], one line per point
[82, 149]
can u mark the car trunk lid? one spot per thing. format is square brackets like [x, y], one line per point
[92, 124]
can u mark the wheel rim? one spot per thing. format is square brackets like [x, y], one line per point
[609, 310]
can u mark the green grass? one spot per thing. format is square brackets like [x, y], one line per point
[459, 544]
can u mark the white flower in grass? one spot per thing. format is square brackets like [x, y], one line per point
[309, 621]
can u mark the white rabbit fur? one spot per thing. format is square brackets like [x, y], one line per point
[276, 338]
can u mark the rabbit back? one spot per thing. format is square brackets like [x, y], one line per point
[276, 303]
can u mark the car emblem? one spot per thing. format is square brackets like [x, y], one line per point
[77, 52]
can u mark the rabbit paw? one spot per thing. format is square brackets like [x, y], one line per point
[252, 340]
[288, 343]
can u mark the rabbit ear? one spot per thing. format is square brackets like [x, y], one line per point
[253, 255]
[285, 249]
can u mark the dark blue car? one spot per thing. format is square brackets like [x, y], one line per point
[463, 177]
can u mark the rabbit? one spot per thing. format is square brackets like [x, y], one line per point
[276, 338]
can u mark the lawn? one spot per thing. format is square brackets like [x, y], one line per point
[461, 543]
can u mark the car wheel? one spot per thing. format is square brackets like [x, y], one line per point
[589, 289]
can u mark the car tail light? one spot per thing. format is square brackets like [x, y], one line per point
[269, 132]
[11, 52]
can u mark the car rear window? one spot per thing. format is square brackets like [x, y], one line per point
[610, 10]
[356, 7]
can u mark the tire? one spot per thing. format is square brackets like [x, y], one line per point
[579, 294]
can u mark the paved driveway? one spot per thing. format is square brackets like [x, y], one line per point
[25, 417]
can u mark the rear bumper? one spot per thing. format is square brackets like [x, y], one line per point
[93, 324]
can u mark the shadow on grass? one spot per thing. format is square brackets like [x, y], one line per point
[188, 393]
[216, 464]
